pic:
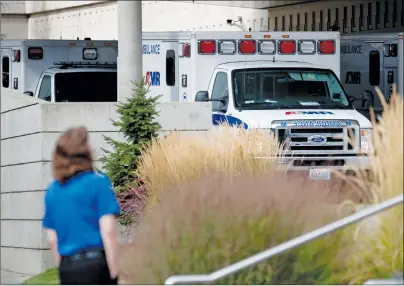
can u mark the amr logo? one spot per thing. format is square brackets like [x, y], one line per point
[152, 78]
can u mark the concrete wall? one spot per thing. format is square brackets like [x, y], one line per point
[99, 21]
[29, 128]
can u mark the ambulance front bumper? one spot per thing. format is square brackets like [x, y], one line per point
[341, 163]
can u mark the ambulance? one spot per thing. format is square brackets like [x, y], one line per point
[61, 70]
[371, 60]
[286, 83]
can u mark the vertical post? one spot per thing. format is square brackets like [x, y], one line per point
[130, 64]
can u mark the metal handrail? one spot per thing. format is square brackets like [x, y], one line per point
[252, 260]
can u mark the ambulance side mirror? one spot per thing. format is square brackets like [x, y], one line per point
[202, 96]
[29, 93]
[367, 99]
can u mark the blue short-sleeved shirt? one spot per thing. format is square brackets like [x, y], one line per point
[73, 210]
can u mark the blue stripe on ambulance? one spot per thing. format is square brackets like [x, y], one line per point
[231, 120]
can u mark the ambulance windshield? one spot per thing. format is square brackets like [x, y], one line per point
[86, 86]
[295, 88]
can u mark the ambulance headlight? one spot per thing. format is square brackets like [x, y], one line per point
[366, 140]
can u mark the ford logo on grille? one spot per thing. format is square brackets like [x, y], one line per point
[317, 139]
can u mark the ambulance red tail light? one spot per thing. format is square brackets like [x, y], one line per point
[266, 47]
[287, 47]
[393, 50]
[247, 47]
[17, 56]
[326, 47]
[207, 47]
[307, 47]
[35, 53]
[184, 50]
[227, 47]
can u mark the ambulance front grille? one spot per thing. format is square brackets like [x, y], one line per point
[297, 140]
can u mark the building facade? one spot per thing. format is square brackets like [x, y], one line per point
[354, 16]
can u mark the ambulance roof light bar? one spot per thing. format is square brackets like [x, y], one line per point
[306, 47]
[266, 47]
[287, 47]
[326, 47]
[82, 63]
[207, 47]
[247, 47]
[227, 47]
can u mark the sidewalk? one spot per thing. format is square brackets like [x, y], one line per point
[8, 277]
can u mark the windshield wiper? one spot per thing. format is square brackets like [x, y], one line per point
[266, 104]
[324, 104]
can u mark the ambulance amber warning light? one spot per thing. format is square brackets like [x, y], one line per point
[287, 47]
[207, 47]
[247, 47]
[326, 47]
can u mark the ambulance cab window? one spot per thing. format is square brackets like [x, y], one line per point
[45, 90]
[220, 90]
[374, 68]
[5, 71]
[170, 68]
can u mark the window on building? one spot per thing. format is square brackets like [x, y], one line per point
[320, 26]
[402, 14]
[313, 21]
[170, 68]
[353, 19]
[336, 22]
[276, 24]
[345, 20]
[298, 22]
[290, 22]
[361, 20]
[386, 14]
[283, 23]
[395, 12]
[306, 16]
[377, 18]
[269, 24]
[328, 19]
[370, 16]
[5, 71]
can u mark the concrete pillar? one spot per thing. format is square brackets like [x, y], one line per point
[129, 46]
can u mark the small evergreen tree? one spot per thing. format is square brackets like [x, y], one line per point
[138, 125]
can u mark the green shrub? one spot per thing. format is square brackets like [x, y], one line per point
[222, 221]
[49, 277]
[137, 123]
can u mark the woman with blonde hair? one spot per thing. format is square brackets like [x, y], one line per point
[80, 214]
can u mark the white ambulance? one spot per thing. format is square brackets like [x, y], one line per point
[61, 70]
[371, 60]
[284, 82]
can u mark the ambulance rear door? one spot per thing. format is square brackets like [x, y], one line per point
[362, 68]
[160, 69]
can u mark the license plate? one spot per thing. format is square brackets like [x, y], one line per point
[320, 174]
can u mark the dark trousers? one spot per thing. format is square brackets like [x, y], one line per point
[86, 268]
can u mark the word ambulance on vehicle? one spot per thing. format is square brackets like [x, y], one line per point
[61, 70]
[287, 83]
[372, 60]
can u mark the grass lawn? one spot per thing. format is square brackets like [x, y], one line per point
[49, 277]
